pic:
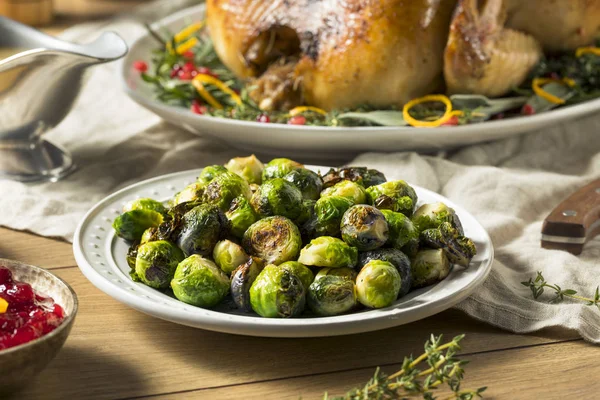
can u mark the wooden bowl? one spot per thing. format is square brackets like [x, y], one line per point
[20, 364]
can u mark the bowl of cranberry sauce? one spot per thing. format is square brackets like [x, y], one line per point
[37, 310]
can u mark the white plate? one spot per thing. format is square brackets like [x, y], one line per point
[321, 142]
[101, 257]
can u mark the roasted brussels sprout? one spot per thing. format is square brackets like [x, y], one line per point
[378, 284]
[249, 168]
[402, 230]
[309, 182]
[344, 272]
[278, 168]
[192, 192]
[156, 262]
[148, 235]
[331, 295]
[131, 224]
[199, 282]
[201, 228]
[224, 188]
[229, 255]
[241, 281]
[145, 204]
[308, 212]
[397, 196]
[328, 215]
[348, 189]
[394, 256]
[429, 267]
[274, 239]
[241, 215]
[209, 173]
[459, 249]
[430, 216]
[277, 293]
[277, 197]
[301, 271]
[361, 175]
[364, 227]
[327, 251]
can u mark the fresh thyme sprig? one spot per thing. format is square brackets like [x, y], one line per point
[538, 284]
[411, 381]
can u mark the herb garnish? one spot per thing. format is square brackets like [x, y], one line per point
[538, 284]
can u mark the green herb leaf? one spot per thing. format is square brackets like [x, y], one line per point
[539, 104]
[382, 118]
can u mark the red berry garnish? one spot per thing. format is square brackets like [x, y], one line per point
[189, 67]
[188, 54]
[175, 70]
[297, 120]
[140, 66]
[527, 110]
[263, 118]
[452, 121]
[198, 108]
[184, 75]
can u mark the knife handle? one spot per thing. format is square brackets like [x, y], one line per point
[576, 220]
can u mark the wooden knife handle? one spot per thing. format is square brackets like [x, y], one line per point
[574, 221]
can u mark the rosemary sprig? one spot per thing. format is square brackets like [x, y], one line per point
[538, 284]
[411, 381]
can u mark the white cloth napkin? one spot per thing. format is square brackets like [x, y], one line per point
[510, 186]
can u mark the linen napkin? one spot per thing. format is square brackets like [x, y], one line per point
[510, 186]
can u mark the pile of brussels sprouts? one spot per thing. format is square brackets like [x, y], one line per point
[283, 240]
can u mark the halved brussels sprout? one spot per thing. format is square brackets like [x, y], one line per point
[192, 192]
[328, 215]
[250, 168]
[148, 235]
[429, 267]
[394, 256]
[229, 255]
[378, 284]
[397, 196]
[348, 189]
[277, 293]
[199, 282]
[278, 168]
[277, 197]
[361, 175]
[241, 281]
[402, 230]
[344, 272]
[331, 295]
[145, 204]
[201, 228]
[309, 182]
[224, 188]
[156, 262]
[430, 216]
[209, 173]
[274, 239]
[301, 271]
[459, 249]
[131, 224]
[327, 251]
[364, 227]
[241, 215]
[308, 212]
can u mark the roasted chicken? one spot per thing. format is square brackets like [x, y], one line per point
[346, 53]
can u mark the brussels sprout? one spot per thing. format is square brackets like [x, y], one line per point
[131, 224]
[430, 216]
[364, 227]
[202, 227]
[331, 295]
[199, 282]
[274, 239]
[327, 251]
[156, 262]
[378, 284]
[459, 249]
[309, 182]
[344, 272]
[241, 215]
[148, 235]
[402, 230]
[328, 215]
[192, 192]
[278, 168]
[361, 175]
[305, 274]
[308, 212]
[429, 267]
[411, 248]
[249, 168]
[228, 255]
[209, 173]
[241, 281]
[277, 197]
[394, 256]
[145, 204]
[397, 196]
[224, 188]
[348, 189]
[277, 293]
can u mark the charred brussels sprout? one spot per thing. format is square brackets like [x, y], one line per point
[249, 168]
[348, 189]
[277, 293]
[308, 212]
[309, 182]
[145, 204]
[148, 235]
[394, 256]
[429, 267]
[459, 249]
[131, 224]
[202, 227]
[378, 284]
[274, 239]
[241, 281]
[199, 282]
[430, 216]
[278, 168]
[397, 196]
[192, 192]
[277, 197]
[328, 215]
[224, 188]
[364, 227]
[361, 175]
[326, 251]
[331, 295]
[209, 173]
[228, 255]
[402, 230]
[241, 215]
[305, 274]
[156, 262]
[344, 272]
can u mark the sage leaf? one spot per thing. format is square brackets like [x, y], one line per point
[539, 104]
[382, 118]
